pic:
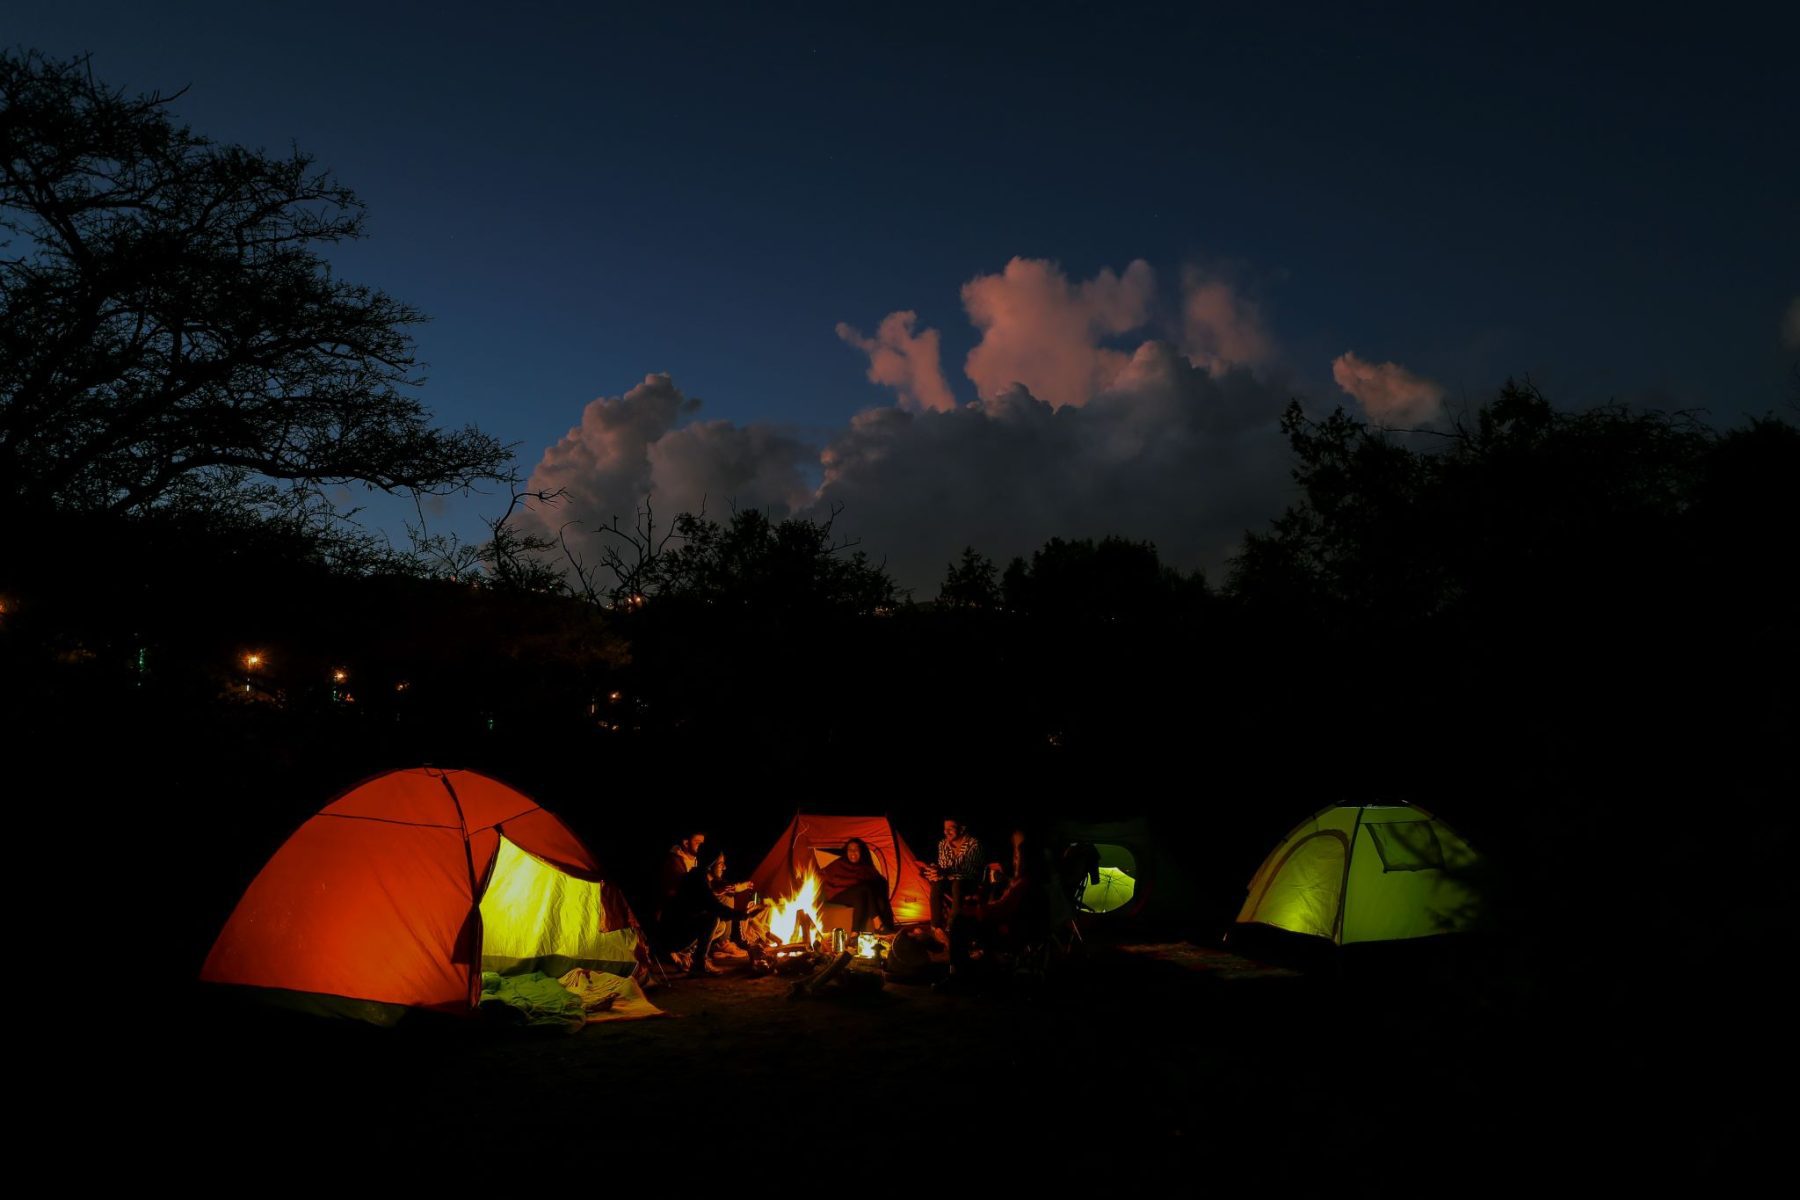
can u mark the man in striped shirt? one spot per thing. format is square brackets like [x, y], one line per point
[957, 873]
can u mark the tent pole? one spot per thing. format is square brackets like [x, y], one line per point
[474, 896]
[1337, 950]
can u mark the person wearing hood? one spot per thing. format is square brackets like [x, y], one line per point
[854, 879]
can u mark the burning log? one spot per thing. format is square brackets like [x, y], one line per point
[784, 958]
[810, 987]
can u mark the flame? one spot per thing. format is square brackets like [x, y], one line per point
[865, 945]
[784, 916]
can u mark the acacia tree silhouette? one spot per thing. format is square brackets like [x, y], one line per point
[171, 336]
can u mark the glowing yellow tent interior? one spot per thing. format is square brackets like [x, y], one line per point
[402, 890]
[1365, 873]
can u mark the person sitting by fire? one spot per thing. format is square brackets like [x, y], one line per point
[1021, 908]
[695, 912]
[676, 942]
[682, 858]
[854, 879]
[749, 928]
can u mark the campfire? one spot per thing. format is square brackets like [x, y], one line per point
[795, 921]
[793, 943]
[797, 940]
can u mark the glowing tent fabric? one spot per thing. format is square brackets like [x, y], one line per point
[1143, 876]
[396, 891]
[1373, 873]
[1114, 891]
[812, 841]
[537, 918]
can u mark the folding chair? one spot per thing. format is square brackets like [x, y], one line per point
[1067, 933]
[1080, 865]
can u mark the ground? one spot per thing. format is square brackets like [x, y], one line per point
[1128, 1063]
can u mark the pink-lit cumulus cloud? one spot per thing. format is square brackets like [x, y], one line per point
[1388, 392]
[1058, 337]
[1220, 329]
[906, 362]
[1040, 330]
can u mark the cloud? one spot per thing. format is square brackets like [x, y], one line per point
[1071, 435]
[905, 362]
[1220, 329]
[637, 445]
[1388, 392]
[1040, 330]
[1168, 452]
[1790, 326]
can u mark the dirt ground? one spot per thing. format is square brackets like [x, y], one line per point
[1143, 1064]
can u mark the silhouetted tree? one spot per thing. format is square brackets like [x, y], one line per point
[512, 556]
[1015, 584]
[745, 629]
[625, 575]
[1523, 509]
[171, 335]
[753, 564]
[970, 583]
[1114, 579]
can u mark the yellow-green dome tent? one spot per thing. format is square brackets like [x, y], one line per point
[1365, 873]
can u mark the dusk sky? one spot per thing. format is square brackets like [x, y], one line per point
[1125, 238]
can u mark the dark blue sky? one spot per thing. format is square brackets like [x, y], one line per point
[580, 198]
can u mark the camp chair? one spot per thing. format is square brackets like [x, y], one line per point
[1067, 933]
[1080, 866]
[657, 966]
[1041, 948]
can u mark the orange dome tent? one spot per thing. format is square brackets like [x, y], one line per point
[811, 842]
[402, 890]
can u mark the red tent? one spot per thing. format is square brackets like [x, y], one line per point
[383, 896]
[812, 841]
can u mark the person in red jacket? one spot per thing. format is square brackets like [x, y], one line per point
[854, 879]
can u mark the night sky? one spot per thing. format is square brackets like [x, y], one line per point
[739, 201]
